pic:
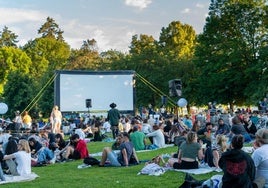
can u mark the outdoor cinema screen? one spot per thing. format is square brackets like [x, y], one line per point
[74, 89]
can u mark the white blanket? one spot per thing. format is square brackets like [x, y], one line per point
[201, 170]
[12, 179]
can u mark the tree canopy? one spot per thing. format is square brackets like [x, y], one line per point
[226, 63]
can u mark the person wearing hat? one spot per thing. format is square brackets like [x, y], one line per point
[260, 154]
[114, 117]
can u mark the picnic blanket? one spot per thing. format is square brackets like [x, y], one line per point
[200, 170]
[13, 179]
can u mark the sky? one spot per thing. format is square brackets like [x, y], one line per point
[112, 23]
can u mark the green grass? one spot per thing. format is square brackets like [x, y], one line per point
[65, 175]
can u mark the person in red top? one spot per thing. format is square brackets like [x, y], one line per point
[78, 150]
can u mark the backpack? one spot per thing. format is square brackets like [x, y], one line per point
[91, 161]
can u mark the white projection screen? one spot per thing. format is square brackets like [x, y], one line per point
[73, 88]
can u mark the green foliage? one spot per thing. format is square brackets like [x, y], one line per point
[19, 91]
[8, 38]
[177, 41]
[227, 63]
[12, 59]
[84, 59]
[50, 29]
[227, 53]
[47, 54]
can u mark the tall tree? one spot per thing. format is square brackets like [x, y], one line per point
[177, 41]
[50, 29]
[19, 91]
[12, 59]
[48, 53]
[8, 38]
[109, 57]
[229, 49]
[87, 57]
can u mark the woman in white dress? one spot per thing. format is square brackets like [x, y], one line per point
[55, 119]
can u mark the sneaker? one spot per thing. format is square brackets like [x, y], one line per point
[218, 170]
[203, 165]
[83, 166]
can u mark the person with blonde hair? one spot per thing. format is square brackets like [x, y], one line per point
[55, 119]
[22, 158]
[218, 149]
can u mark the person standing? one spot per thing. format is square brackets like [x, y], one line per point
[114, 117]
[17, 122]
[26, 120]
[55, 119]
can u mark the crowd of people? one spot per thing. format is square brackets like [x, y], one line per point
[214, 139]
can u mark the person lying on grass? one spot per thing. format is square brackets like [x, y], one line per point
[125, 156]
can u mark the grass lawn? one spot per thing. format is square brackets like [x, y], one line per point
[65, 175]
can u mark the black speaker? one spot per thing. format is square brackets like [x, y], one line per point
[88, 103]
[175, 87]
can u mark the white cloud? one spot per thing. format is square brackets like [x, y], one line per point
[185, 11]
[198, 5]
[141, 4]
[13, 15]
[107, 37]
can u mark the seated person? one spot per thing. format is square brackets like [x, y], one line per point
[40, 154]
[138, 139]
[238, 128]
[204, 134]
[249, 126]
[260, 154]
[78, 150]
[2, 177]
[60, 145]
[222, 128]
[117, 143]
[188, 153]
[158, 136]
[80, 131]
[123, 158]
[218, 149]
[22, 158]
[11, 147]
[238, 167]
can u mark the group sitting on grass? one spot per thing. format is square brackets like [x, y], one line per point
[216, 146]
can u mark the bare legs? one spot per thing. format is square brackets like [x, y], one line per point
[56, 127]
[69, 150]
[104, 155]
